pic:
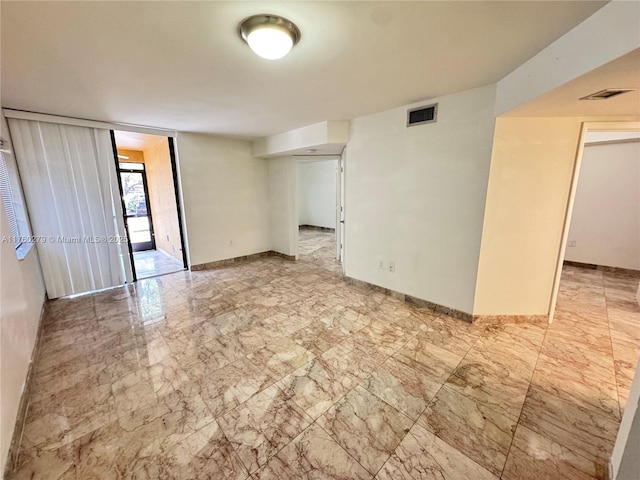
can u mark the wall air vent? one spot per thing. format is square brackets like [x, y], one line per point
[607, 93]
[420, 115]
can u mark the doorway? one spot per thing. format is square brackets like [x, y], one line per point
[137, 213]
[584, 244]
[319, 210]
[149, 188]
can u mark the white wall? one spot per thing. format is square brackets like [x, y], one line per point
[416, 196]
[21, 299]
[605, 224]
[226, 195]
[282, 205]
[325, 136]
[317, 193]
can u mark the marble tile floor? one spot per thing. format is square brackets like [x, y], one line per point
[275, 369]
[150, 263]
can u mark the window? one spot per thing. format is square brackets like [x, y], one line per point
[13, 201]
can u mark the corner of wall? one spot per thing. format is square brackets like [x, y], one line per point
[283, 205]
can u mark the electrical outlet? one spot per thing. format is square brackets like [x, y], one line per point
[391, 266]
[230, 242]
[380, 264]
[572, 243]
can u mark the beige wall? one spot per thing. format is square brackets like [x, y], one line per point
[21, 299]
[135, 156]
[226, 198]
[529, 183]
[162, 198]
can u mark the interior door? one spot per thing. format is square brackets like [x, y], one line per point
[135, 194]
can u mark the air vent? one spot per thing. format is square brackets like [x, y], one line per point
[607, 93]
[420, 115]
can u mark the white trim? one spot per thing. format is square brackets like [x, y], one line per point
[80, 122]
[625, 445]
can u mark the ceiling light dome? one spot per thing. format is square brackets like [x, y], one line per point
[269, 36]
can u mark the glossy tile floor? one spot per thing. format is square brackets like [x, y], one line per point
[150, 263]
[280, 370]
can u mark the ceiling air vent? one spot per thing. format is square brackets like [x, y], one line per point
[420, 115]
[607, 93]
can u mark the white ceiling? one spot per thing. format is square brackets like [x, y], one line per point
[181, 65]
[136, 141]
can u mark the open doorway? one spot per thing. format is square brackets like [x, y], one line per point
[601, 236]
[319, 210]
[596, 298]
[146, 167]
[137, 213]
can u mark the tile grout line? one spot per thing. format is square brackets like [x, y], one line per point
[343, 396]
[401, 413]
[462, 357]
[544, 434]
[533, 372]
[186, 293]
[313, 421]
[613, 358]
[372, 393]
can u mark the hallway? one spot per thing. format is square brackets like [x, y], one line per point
[150, 263]
[275, 369]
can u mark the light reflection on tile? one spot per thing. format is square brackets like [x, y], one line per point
[479, 432]
[533, 457]
[366, 427]
[189, 375]
[312, 455]
[422, 455]
[260, 427]
[585, 432]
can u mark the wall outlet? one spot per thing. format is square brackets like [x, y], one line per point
[230, 242]
[380, 264]
[572, 243]
[391, 266]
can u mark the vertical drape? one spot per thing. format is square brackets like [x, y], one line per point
[71, 188]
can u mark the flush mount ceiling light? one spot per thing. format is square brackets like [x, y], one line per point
[269, 36]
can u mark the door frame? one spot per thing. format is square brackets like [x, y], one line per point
[339, 207]
[145, 187]
[619, 126]
[122, 205]
[176, 190]
[173, 157]
[339, 219]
